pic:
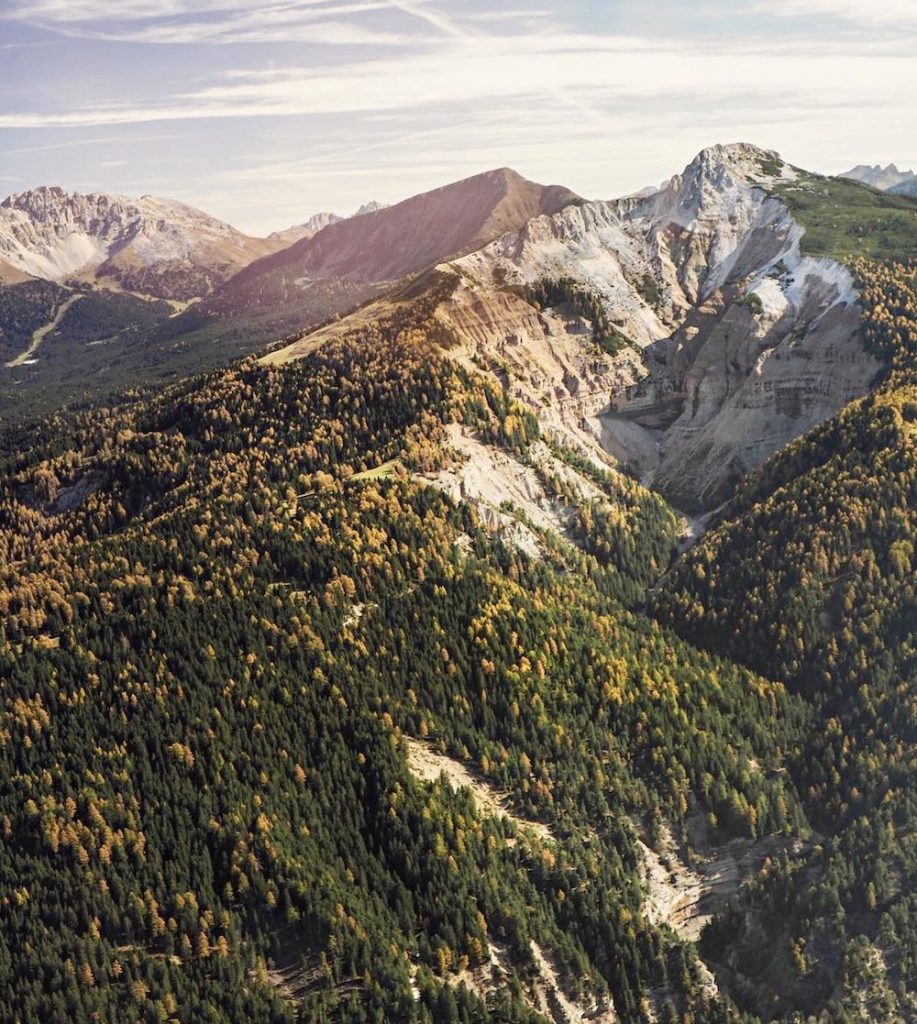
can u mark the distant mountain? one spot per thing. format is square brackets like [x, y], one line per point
[158, 247]
[887, 179]
[317, 222]
[353, 260]
[311, 227]
[905, 188]
[386, 244]
[56, 343]
[371, 207]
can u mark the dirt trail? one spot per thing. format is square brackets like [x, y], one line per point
[427, 764]
[39, 336]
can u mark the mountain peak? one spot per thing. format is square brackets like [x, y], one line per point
[46, 192]
[389, 243]
[156, 246]
[317, 222]
[371, 207]
[507, 173]
[54, 201]
[744, 158]
[714, 179]
[883, 178]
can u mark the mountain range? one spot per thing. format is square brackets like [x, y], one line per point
[888, 179]
[729, 336]
[316, 222]
[153, 246]
[500, 606]
[228, 293]
[730, 327]
[63, 250]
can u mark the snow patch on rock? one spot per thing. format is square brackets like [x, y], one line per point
[774, 301]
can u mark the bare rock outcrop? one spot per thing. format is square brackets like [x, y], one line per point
[746, 343]
[154, 246]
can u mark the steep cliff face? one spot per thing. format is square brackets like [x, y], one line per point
[745, 375]
[746, 343]
[593, 244]
[547, 357]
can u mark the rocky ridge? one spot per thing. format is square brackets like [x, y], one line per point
[888, 179]
[318, 222]
[308, 229]
[745, 342]
[731, 341]
[154, 246]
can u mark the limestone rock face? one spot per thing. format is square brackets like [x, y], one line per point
[748, 383]
[746, 343]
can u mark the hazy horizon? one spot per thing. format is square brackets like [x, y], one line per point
[265, 113]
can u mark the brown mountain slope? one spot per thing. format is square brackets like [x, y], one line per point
[418, 232]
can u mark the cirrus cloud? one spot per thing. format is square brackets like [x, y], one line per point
[277, 105]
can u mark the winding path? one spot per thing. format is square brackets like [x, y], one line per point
[39, 336]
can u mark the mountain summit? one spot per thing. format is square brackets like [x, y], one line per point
[317, 222]
[389, 243]
[158, 246]
[886, 179]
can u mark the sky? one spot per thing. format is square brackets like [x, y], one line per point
[263, 112]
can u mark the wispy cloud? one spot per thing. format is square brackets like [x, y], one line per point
[297, 105]
[75, 11]
[418, 9]
[90, 141]
[877, 13]
[593, 69]
[317, 22]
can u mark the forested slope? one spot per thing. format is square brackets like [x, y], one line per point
[215, 630]
[811, 580]
[225, 607]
